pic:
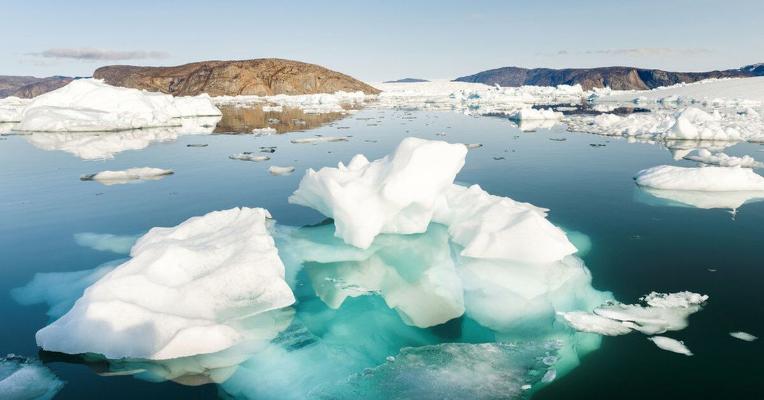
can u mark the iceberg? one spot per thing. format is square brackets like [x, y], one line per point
[320, 139]
[708, 179]
[90, 105]
[248, 157]
[669, 344]
[699, 199]
[11, 108]
[127, 176]
[22, 379]
[186, 290]
[395, 194]
[528, 114]
[277, 170]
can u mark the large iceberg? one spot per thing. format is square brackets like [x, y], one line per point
[187, 290]
[404, 192]
[11, 108]
[708, 179]
[90, 105]
[395, 194]
[22, 379]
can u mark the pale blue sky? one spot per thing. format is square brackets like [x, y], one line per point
[380, 40]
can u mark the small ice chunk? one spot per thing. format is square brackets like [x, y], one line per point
[588, 322]
[528, 113]
[549, 376]
[248, 157]
[22, 379]
[743, 336]
[471, 146]
[276, 170]
[711, 179]
[723, 160]
[183, 292]
[669, 344]
[128, 175]
[320, 139]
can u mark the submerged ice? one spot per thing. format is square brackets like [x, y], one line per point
[23, 379]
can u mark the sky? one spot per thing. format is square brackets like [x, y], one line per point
[382, 40]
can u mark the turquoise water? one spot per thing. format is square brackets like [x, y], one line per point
[639, 244]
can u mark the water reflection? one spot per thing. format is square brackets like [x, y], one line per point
[731, 201]
[105, 145]
[240, 119]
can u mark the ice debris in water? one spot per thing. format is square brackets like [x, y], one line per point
[23, 379]
[450, 371]
[128, 175]
[708, 179]
[745, 336]
[276, 170]
[662, 312]
[88, 105]
[183, 292]
[669, 344]
[404, 192]
[320, 139]
[723, 160]
[247, 156]
[119, 244]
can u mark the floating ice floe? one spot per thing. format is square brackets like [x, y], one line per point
[127, 176]
[277, 170]
[187, 290]
[708, 179]
[22, 379]
[320, 139]
[248, 157]
[669, 344]
[744, 336]
[723, 160]
[529, 114]
[90, 105]
[473, 98]
[119, 244]
[698, 199]
[660, 313]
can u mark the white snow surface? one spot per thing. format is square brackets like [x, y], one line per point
[90, 105]
[706, 179]
[22, 379]
[11, 107]
[669, 344]
[338, 102]
[185, 291]
[127, 175]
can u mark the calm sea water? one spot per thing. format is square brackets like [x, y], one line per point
[638, 246]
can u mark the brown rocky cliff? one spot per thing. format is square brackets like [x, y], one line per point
[262, 77]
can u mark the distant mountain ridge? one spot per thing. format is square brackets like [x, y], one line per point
[261, 77]
[617, 78]
[30, 86]
[407, 80]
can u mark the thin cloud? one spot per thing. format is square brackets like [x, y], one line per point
[89, 54]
